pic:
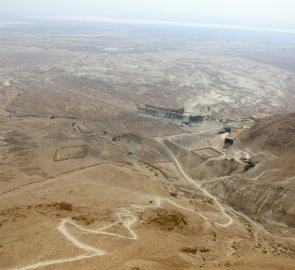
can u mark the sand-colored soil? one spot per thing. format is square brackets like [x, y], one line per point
[87, 182]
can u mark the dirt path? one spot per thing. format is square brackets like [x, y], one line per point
[256, 227]
[125, 218]
[198, 186]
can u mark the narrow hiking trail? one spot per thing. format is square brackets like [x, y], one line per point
[125, 218]
[197, 185]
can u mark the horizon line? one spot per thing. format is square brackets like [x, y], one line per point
[159, 22]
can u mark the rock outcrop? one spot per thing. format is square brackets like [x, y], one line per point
[267, 191]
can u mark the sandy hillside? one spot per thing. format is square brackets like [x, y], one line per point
[275, 134]
[266, 191]
[89, 182]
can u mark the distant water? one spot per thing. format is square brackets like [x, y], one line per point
[4, 23]
[159, 22]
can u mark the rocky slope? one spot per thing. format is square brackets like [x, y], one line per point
[267, 191]
[275, 134]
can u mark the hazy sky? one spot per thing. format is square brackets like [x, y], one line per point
[261, 13]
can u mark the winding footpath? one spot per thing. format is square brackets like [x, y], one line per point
[198, 186]
[125, 218]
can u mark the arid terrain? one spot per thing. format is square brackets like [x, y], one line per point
[89, 182]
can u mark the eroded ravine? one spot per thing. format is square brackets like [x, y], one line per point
[198, 186]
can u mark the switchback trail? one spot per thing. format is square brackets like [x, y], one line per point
[125, 218]
[198, 186]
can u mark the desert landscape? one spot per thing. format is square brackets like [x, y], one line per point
[89, 181]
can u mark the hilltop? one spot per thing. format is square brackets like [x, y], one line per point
[275, 134]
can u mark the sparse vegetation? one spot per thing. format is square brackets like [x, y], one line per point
[210, 200]
[64, 206]
[250, 164]
[98, 194]
[195, 250]
[84, 218]
[173, 194]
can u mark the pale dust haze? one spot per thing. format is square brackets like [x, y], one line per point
[262, 13]
[142, 135]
